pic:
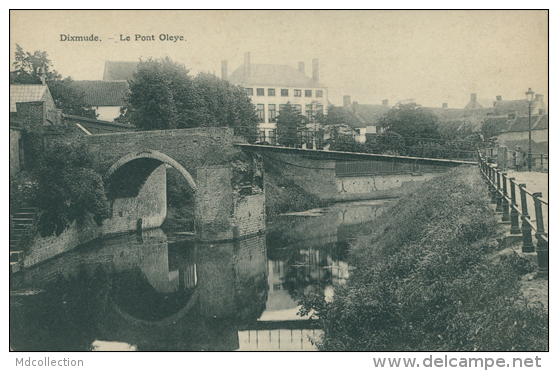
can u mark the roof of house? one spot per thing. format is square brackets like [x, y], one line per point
[522, 123]
[98, 122]
[542, 123]
[103, 93]
[273, 75]
[520, 107]
[501, 123]
[119, 71]
[27, 93]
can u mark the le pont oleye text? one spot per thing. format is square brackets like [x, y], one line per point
[161, 37]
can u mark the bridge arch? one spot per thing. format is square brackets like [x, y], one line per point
[150, 154]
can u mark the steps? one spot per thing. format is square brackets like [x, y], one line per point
[20, 221]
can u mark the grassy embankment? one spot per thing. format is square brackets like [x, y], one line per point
[428, 276]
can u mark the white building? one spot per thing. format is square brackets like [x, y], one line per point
[272, 86]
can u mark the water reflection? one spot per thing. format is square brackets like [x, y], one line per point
[142, 292]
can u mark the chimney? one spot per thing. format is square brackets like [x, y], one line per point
[43, 76]
[473, 97]
[498, 98]
[247, 68]
[316, 69]
[539, 97]
[346, 100]
[301, 67]
[385, 102]
[224, 75]
[444, 105]
[355, 106]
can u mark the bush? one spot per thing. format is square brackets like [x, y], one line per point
[424, 280]
[68, 187]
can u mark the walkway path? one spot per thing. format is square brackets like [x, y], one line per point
[536, 182]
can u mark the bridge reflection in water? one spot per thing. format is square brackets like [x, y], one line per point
[153, 292]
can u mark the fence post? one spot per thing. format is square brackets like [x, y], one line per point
[505, 202]
[525, 227]
[542, 244]
[493, 181]
[514, 214]
[498, 192]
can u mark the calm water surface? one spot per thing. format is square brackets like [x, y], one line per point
[163, 291]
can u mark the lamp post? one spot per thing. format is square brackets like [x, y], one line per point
[530, 94]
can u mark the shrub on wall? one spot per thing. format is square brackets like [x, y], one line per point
[68, 187]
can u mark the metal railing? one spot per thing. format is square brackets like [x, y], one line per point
[503, 192]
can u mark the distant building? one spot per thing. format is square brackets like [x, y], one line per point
[272, 86]
[106, 97]
[30, 106]
[119, 71]
[363, 118]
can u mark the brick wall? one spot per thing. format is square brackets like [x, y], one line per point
[318, 178]
[150, 206]
[192, 148]
[15, 165]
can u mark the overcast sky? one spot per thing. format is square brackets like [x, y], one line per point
[429, 56]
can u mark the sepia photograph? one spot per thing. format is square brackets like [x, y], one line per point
[280, 180]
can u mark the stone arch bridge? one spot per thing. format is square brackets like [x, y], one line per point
[134, 167]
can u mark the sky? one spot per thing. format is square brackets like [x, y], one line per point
[432, 57]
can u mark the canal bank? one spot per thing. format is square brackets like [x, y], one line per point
[427, 276]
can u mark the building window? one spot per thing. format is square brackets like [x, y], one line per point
[298, 93]
[284, 92]
[308, 93]
[541, 111]
[260, 112]
[319, 109]
[319, 93]
[260, 92]
[261, 136]
[282, 107]
[270, 92]
[250, 91]
[297, 108]
[272, 137]
[272, 114]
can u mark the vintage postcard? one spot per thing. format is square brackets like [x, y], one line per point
[280, 180]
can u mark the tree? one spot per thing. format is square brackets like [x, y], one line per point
[413, 122]
[390, 143]
[68, 187]
[225, 104]
[164, 96]
[289, 121]
[31, 68]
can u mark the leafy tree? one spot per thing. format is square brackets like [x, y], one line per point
[489, 130]
[225, 104]
[68, 187]
[29, 68]
[413, 122]
[164, 96]
[390, 143]
[289, 121]
[334, 120]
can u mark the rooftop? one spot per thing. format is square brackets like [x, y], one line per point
[119, 71]
[103, 93]
[27, 93]
[273, 75]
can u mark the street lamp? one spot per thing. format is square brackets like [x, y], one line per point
[530, 94]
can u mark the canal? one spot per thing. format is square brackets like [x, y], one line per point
[160, 291]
